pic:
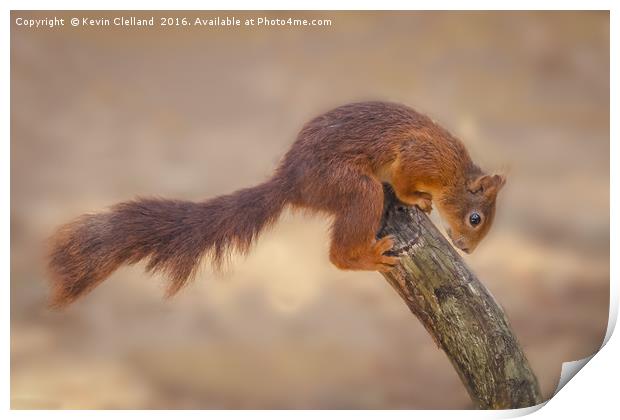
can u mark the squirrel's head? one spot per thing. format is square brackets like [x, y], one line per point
[469, 209]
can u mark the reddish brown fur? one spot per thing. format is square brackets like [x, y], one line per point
[335, 166]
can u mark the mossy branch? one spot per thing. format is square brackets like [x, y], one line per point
[458, 311]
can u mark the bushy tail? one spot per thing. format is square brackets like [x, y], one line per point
[172, 236]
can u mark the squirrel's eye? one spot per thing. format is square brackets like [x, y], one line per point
[475, 219]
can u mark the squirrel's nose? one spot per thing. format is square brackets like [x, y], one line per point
[460, 244]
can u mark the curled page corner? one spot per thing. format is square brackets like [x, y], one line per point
[570, 369]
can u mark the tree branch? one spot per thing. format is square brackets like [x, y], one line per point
[457, 310]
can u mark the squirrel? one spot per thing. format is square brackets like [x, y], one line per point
[336, 166]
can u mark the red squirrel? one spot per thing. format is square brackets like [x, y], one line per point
[336, 166]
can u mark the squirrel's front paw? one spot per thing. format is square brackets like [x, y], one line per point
[425, 205]
[421, 200]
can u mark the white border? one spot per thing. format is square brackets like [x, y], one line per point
[594, 393]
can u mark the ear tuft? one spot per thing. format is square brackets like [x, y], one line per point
[499, 180]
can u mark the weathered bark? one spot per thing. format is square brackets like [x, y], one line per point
[458, 311]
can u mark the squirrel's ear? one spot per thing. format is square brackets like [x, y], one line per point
[476, 185]
[487, 184]
[499, 180]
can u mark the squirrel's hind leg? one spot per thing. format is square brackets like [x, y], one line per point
[353, 242]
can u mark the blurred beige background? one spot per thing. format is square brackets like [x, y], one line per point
[101, 115]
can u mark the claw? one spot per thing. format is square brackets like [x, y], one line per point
[390, 262]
